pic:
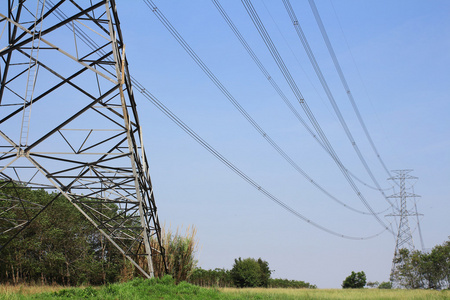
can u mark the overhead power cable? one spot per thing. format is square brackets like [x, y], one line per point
[344, 83]
[329, 94]
[282, 66]
[267, 75]
[235, 169]
[237, 105]
[298, 62]
[362, 81]
[88, 41]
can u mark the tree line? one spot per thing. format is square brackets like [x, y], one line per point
[62, 247]
[247, 272]
[58, 247]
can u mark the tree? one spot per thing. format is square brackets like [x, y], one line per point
[373, 285]
[385, 285]
[250, 272]
[406, 273]
[60, 246]
[265, 272]
[217, 277]
[423, 270]
[355, 281]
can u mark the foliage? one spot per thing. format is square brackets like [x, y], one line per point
[372, 284]
[222, 278]
[355, 281]
[417, 269]
[385, 285]
[292, 284]
[264, 271]
[250, 273]
[211, 278]
[246, 273]
[62, 247]
[59, 247]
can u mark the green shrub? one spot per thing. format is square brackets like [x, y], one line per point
[250, 273]
[355, 281]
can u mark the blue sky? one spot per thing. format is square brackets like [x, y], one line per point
[395, 55]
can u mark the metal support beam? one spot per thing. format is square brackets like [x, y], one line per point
[82, 136]
[404, 238]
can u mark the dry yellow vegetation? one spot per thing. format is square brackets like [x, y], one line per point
[26, 289]
[335, 293]
[141, 289]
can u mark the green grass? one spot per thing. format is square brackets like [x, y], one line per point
[166, 288]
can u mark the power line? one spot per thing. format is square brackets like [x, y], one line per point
[155, 10]
[274, 52]
[88, 41]
[236, 104]
[328, 92]
[344, 82]
[286, 101]
[235, 169]
[298, 62]
[361, 79]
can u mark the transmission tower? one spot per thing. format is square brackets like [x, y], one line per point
[69, 124]
[404, 238]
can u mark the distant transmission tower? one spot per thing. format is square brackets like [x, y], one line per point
[404, 235]
[69, 124]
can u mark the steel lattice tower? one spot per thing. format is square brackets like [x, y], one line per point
[404, 238]
[69, 123]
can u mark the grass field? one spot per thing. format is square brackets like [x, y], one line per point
[27, 290]
[260, 293]
[166, 289]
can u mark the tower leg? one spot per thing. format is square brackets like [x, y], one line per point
[81, 136]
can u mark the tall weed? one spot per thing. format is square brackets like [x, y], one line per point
[180, 253]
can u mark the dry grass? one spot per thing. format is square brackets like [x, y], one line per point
[180, 253]
[279, 293]
[8, 291]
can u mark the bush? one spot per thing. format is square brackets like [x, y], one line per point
[250, 273]
[355, 281]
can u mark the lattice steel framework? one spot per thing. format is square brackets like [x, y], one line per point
[68, 123]
[404, 238]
